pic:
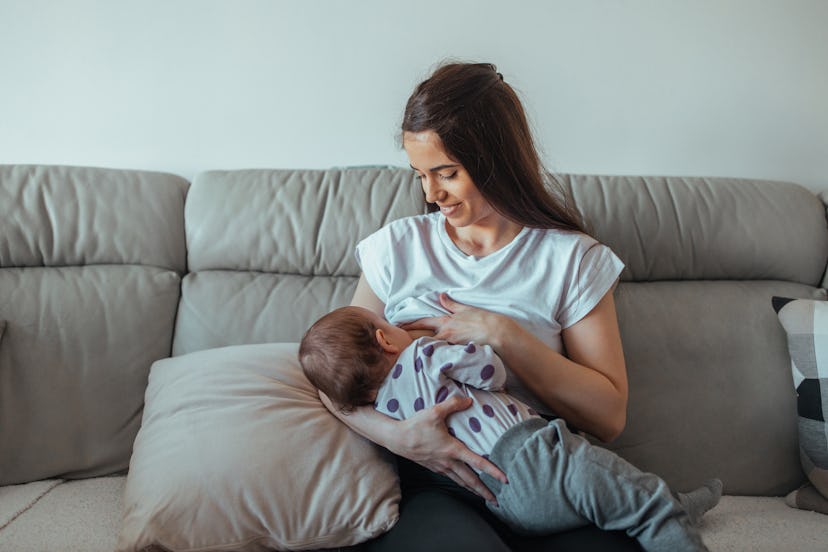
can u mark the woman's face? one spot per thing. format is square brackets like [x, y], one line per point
[445, 181]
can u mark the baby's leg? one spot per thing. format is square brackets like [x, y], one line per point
[697, 502]
[557, 478]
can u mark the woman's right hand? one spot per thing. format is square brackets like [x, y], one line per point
[424, 438]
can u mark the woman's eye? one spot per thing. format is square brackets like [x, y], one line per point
[448, 176]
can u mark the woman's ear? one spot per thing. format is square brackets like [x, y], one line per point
[386, 343]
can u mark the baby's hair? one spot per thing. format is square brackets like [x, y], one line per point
[340, 355]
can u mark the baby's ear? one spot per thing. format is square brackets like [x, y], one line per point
[384, 342]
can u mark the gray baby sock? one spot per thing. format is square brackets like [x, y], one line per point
[697, 502]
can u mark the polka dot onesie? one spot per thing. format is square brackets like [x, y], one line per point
[430, 370]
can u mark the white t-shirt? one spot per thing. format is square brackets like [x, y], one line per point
[546, 280]
[430, 371]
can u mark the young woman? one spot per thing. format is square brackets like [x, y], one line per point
[499, 260]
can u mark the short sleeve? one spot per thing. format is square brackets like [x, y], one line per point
[595, 274]
[373, 255]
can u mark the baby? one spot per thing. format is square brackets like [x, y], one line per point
[557, 479]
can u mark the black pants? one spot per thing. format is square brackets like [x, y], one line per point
[437, 515]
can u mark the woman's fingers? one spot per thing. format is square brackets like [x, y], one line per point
[453, 404]
[448, 303]
[465, 457]
[482, 464]
[467, 478]
[451, 457]
[458, 471]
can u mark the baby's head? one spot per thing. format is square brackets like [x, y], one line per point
[347, 354]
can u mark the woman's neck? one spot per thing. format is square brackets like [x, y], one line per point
[480, 240]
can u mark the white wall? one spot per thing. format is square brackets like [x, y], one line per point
[705, 87]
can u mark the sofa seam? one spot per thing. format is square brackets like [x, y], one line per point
[31, 503]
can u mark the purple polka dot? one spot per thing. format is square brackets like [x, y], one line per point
[446, 366]
[393, 405]
[451, 432]
[428, 350]
[474, 424]
[488, 410]
[442, 394]
[397, 371]
[513, 409]
[470, 348]
[487, 372]
[419, 404]
[418, 364]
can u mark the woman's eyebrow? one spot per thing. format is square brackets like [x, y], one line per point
[438, 167]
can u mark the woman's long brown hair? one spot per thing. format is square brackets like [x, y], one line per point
[483, 126]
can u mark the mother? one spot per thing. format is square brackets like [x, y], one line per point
[495, 238]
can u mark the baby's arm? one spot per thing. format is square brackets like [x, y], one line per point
[472, 364]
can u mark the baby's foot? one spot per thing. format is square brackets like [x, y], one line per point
[697, 502]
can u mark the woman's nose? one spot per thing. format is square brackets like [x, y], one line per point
[432, 190]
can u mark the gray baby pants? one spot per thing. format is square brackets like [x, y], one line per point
[559, 481]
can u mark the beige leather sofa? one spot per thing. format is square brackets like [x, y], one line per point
[104, 271]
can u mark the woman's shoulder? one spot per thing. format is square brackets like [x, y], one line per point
[565, 242]
[408, 227]
[428, 220]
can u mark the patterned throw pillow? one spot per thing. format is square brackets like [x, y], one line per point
[806, 323]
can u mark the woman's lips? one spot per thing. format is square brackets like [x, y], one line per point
[449, 210]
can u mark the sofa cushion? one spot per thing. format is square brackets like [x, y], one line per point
[806, 324]
[90, 271]
[74, 361]
[17, 499]
[292, 222]
[270, 251]
[69, 216]
[225, 307]
[705, 361]
[81, 515]
[237, 452]
[674, 228]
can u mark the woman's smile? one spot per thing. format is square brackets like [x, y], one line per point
[449, 210]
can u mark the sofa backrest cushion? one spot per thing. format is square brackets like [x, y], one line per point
[90, 269]
[671, 228]
[71, 216]
[271, 250]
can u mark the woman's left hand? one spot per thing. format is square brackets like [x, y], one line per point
[464, 323]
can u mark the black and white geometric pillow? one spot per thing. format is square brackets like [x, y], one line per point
[806, 324]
